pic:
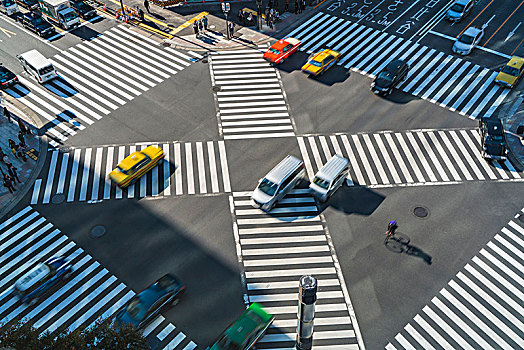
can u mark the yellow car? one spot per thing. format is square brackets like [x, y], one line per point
[511, 73]
[135, 165]
[320, 62]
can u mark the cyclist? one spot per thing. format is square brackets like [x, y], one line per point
[392, 226]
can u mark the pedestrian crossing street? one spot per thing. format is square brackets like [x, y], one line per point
[251, 101]
[91, 294]
[419, 157]
[96, 78]
[276, 250]
[446, 80]
[482, 307]
[80, 174]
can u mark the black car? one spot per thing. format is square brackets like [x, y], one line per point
[28, 4]
[395, 72]
[146, 305]
[84, 10]
[493, 142]
[34, 22]
[7, 78]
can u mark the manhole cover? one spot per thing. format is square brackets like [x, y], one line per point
[97, 231]
[421, 212]
[204, 60]
[58, 199]
[211, 26]
[521, 217]
[166, 44]
[216, 88]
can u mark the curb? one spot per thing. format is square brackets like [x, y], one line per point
[22, 110]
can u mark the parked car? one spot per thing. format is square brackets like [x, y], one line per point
[510, 74]
[466, 42]
[492, 140]
[36, 23]
[84, 10]
[28, 4]
[395, 72]
[459, 10]
[41, 278]
[135, 165]
[7, 78]
[320, 62]
[281, 50]
[245, 331]
[146, 305]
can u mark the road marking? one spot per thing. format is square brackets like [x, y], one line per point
[522, 2]
[188, 23]
[478, 47]
[466, 27]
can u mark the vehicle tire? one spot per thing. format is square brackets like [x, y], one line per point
[67, 275]
[33, 301]
[282, 61]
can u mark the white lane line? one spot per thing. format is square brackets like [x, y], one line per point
[167, 176]
[165, 332]
[131, 188]
[476, 152]
[280, 240]
[398, 157]
[421, 157]
[291, 272]
[154, 178]
[189, 167]
[63, 172]
[224, 166]
[201, 167]
[96, 173]
[153, 325]
[419, 338]
[364, 159]
[410, 158]
[74, 174]
[212, 166]
[316, 153]
[442, 153]
[353, 160]
[285, 229]
[50, 178]
[36, 191]
[289, 284]
[109, 168]
[375, 159]
[85, 174]
[277, 251]
[455, 156]
[305, 157]
[290, 261]
[432, 156]
[178, 170]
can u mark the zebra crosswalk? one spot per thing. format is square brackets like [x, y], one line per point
[96, 78]
[276, 250]
[482, 307]
[407, 158]
[91, 294]
[80, 174]
[446, 80]
[251, 102]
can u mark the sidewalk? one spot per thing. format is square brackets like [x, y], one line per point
[513, 118]
[175, 24]
[29, 169]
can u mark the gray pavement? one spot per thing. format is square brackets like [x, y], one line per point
[514, 118]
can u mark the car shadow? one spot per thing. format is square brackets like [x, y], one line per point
[61, 87]
[353, 200]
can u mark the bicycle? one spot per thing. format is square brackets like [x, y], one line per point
[395, 241]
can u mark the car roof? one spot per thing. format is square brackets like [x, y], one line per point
[494, 126]
[472, 31]
[36, 59]
[247, 323]
[332, 167]
[35, 274]
[461, 2]
[131, 160]
[516, 62]
[279, 44]
[394, 66]
[150, 295]
[283, 169]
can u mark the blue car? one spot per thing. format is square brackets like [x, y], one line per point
[148, 304]
[41, 278]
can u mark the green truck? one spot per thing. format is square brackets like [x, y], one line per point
[60, 13]
[245, 331]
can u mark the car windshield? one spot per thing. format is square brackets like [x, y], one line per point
[268, 187]
[457, 8]
[123, 171]
[466, 39]
[385, 76]
[8, 2]
[275, 51]
[320, 182]
[511, 71]
[70, 16]
[37, 21]
[4, 73]
[315, 63]
[136, 309]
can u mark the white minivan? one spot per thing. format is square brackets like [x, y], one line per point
[328, 179]
[8, 7]
[37, 65]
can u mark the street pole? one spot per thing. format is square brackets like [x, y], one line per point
[225, 8]
[259, 14]
[227, 26]
[307, 297]
[122, 5]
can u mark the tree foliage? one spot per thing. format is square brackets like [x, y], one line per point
[102, 336]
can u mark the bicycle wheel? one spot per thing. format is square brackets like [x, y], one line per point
[393, 245]
[401, 238]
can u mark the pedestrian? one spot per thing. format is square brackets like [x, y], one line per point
[231, 28]
[271, 19]
[7, 114]
[20, 152]
[12, 172]
[141, 14]
[303, 7]
[200, 27]
[21, 138]
[241, 16]
[286, 6]
[296, 7]
[204, 20]
[5, 159]
[2, 154]
[8, 183]
[195, 28]
[146, 5]
[12, 144]
[22, 127]
[249, 18]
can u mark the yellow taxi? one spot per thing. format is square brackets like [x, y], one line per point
[511, 73]
[135, 165]
[321, 61]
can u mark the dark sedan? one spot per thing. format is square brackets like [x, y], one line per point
[395, 72]
[146, 305]
[7, 78]
[35, 23]
[84, 10]
[28, 4]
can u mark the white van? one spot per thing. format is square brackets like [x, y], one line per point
[37, 65]
[328, 179]
[8, 7]
[277, 183]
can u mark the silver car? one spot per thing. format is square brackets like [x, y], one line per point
[459, 10]
[466, 42]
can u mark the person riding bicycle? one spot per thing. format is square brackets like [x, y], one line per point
[392, 226]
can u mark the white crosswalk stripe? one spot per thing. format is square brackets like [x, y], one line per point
[388, 159]
[445, 80]
[482, 307]
[97, 77]
[251, 102]
[92, 293]
[275, 253]
[80, 174]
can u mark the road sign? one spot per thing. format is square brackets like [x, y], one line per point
[225, 7]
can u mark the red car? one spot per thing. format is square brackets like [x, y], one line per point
[281, 50]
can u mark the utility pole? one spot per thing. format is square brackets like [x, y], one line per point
[225, 9]
[259, 14]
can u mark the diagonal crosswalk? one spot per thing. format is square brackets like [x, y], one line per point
[80, 174]
[407, 158]
[251, 101]
[98, 77]
[481, 307]
[276, 250]
[91, 294]
[446, 80]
